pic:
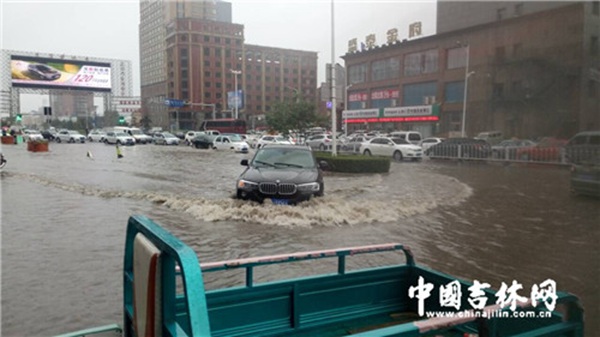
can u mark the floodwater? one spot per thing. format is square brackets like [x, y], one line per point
[64, 216]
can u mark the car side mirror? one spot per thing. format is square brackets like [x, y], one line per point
[324, 165]
[244, 162]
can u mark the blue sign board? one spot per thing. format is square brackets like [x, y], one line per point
[234, 100]
[174, 103]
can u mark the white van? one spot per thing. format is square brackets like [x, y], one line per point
[136, 133]
[491, 137]
[413, 137]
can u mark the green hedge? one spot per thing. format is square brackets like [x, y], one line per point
[354, 163]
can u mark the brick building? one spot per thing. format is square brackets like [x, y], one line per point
[527, 76]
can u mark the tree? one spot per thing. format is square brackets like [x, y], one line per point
[295, 114]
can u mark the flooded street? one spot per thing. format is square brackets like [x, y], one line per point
[64, 216]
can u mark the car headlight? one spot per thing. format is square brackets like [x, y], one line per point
[246, 185]
[310, 187]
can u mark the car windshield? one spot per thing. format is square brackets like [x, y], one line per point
[136, 132]
[168, 135]
[276, 157]
[120, 134]
[281, 139]
[235, 138]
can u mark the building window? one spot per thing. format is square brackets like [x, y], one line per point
[207, 95]
[385, 69]
[206, 38]
[357, 73]
[421, 63]
[206, 51]
[414, 94]
[456, 58]
[454, 92]
[207, 84]
[207, 63]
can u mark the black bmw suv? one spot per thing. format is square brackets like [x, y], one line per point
[286, 174]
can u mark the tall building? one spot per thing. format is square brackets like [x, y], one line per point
[191, 51]
[454, 15]
[527, 76]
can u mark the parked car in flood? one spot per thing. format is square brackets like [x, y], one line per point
[426, 143]
[320, 142]
[507, 149]
[271, 139]
[460, 148]
[585, 177]
[583, 146]
[69, 136]
[397, 148]
[96, 136]
[202, 141]
[547, 150]
[232, 142]
[119, 138]
[353, 144]
[165, 138]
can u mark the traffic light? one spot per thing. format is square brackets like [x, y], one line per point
[19, 118]
[121, 120]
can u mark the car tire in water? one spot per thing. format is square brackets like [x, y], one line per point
[398, 156]
[367, 153]
[322, 147]
[58, 140]
[321, 190]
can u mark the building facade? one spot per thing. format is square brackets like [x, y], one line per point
[526, 76]
[195, 54]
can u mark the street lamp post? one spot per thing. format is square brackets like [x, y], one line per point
[346, 107]
[333, 87]
[235, 74]
[467, 75]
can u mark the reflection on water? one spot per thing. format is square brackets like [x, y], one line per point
[64, 216]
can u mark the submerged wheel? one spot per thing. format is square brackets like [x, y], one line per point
[367, 153]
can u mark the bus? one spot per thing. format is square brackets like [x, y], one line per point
[225, 125]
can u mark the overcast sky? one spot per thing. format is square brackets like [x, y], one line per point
[109, 29]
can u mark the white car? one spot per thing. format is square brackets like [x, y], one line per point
[69, 136]
[231, 142]
[139, 136]
[165, 138]
[321, 142]
[118, 137]
[32, 135]
[396, 148]
[271, 139]
[190, 135]
[429, 142]
[96, 136]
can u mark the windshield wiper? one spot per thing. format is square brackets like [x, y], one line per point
[288, 164]
[264, 163]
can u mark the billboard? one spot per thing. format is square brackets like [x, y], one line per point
[235, 101]
[35, 72]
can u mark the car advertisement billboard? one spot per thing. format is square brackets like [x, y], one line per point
[35, 72]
